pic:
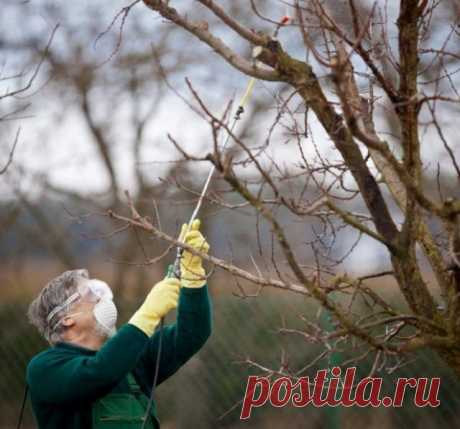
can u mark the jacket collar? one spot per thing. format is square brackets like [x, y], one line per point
[75, 348]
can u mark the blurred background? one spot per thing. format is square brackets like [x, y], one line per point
[92, 122]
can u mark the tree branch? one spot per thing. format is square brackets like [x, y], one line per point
[201, 32]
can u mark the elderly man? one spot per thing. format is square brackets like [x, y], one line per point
[96, 377]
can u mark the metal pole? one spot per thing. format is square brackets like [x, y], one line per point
[174, 269]
[332, 413]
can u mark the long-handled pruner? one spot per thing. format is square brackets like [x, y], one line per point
[174, 269]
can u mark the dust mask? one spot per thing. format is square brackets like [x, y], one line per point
[105, 312]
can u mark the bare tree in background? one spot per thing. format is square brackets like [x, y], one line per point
[79, 73]
[380, 93]
[14, 86]
[112, 84]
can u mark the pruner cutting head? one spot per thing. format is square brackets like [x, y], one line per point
[239, 112]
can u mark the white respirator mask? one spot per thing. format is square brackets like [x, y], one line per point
[105, 312]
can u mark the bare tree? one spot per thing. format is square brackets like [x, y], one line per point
[380, 93]
[112, 85]
[15, 85]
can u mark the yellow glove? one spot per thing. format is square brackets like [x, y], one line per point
[161, 299]
[191, 268]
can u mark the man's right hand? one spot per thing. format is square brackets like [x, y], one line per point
[163, 297]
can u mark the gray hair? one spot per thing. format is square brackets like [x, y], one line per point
[55, 293]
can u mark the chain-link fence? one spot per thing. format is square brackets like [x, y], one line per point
[207, 392]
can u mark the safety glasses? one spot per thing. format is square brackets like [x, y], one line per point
[91, 290]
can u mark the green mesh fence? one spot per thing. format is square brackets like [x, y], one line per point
[207, 391]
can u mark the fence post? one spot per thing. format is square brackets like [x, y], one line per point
[335, 358]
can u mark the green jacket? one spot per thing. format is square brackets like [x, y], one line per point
[66, 379]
